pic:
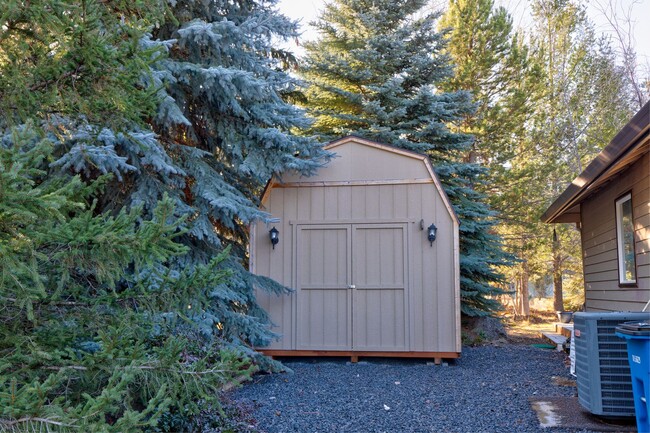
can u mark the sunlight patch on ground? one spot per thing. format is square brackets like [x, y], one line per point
[539, 321]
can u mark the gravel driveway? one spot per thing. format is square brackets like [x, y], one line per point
[487, 390]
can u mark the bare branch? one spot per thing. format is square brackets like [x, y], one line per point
[622, 26]
[9, 423]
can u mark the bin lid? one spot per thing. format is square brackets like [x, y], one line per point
[634, 328]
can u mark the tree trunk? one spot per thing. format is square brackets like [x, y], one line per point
[524, 292]
[522, 307]
[558, 301]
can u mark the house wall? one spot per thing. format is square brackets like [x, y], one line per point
[602, 291]
[432, 302]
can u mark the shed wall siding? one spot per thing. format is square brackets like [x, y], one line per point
[431, 282]
[602, 291]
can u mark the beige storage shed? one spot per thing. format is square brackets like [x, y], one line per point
[353, 241]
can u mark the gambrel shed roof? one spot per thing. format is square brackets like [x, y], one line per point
[357, 170]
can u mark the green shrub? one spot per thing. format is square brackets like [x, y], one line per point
[97, 334]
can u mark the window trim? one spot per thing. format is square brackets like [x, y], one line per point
[620, 248]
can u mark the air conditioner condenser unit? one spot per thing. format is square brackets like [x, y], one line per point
[602, 369]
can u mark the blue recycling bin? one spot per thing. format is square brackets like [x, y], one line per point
[637, 335]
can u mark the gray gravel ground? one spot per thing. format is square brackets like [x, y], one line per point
[487, 390]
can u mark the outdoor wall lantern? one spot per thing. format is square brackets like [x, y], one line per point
[432, 233]
[275, 238]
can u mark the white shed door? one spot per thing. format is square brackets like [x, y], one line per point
[352, 290]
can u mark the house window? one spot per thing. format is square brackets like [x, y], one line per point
[625, 240]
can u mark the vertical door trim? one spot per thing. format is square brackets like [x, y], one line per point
[409, 274]
[294, 285]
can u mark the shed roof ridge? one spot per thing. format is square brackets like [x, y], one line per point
[373, 143]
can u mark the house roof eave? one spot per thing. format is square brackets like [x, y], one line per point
[609, 161]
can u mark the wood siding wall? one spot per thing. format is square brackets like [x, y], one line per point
[602, 291]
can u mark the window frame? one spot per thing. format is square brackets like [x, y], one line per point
[620, 239]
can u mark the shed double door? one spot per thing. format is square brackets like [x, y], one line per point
[352, 287]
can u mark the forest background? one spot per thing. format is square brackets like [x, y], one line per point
[612, 25]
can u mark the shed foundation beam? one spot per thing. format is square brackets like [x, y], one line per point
[354, 355]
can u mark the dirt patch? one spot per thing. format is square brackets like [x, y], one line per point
[483, 330]
[529, 330]
[508, 329]
[564, 381]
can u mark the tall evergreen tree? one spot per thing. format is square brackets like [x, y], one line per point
[195, 110]
[585, 104]
[376, 71]
[532, 150]
[225, 127]
[183, 100]
[493, 63]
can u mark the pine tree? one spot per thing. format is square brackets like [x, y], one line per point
[227, 129]
[493, 63]
[200, 116]
[583, 106]
[143, 102]
[513, 83]
[376, 71]
[76, 59]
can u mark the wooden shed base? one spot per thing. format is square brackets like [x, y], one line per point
[354, 355]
